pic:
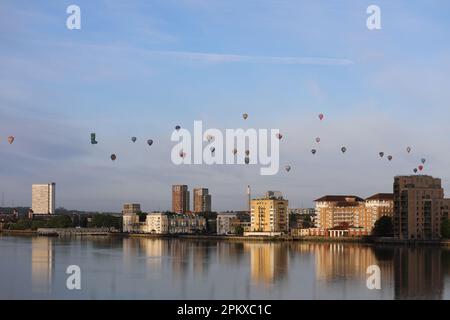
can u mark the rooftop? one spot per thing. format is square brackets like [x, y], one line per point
[339, 198]
[381, 196]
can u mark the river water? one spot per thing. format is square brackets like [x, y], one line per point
[149, 268]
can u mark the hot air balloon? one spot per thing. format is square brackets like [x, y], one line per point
[209, 138]
[149, 142]
[415, 170]
[381, 154]
[182, 154]
[10, 139]
[420, 168]
[408, 149]
[247, 152]
[234, 151]
[389, 158]
[288, 168]
[245, 116]
[279, 136]
[212, 149]
[344, 149]
[93, 141]
[313, 151]
[321, 116]
[133, 139]
[317, 139]
[113, 157]
[177, 128]
[247, 160]
[424, 160]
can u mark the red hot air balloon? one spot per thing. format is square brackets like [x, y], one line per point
[10, 139]
[420, 167]
[321, 116]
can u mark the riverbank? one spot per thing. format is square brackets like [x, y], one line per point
[19, 232]
[102, 232]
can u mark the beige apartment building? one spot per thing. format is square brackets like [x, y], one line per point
[130, 222]
[269, 214]
[157, 223]
[202, 200]
[43, 198]
[419, 207]
[338, 210]
[377, 206]
[333, 211]
[180, 198]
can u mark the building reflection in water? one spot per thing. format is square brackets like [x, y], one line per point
[201, 257]
[268, 261]
[338, 261]
[42, 264]
[153, 250]
[418, 273]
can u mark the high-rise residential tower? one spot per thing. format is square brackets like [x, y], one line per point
[180, 198]
[419, 207]
[202, 200]
[43, 198]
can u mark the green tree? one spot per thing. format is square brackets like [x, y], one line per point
[142, 216]
[239, 230]
[383, 227]
[445, 228]
[106, 221]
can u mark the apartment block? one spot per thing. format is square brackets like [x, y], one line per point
[419, 207]
[43, 198]
[129, 208]
[202, 200]
[180, 199]
[270, 214]
[156, 223]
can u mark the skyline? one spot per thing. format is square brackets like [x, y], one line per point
[191, 201]
[140, 69]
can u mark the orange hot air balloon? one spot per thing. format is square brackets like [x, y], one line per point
[10, 139]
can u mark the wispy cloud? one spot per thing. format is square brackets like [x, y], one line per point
[229, 58]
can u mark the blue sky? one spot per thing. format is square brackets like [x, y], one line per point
[138, 68]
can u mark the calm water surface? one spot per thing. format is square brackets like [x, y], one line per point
[115, 268]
